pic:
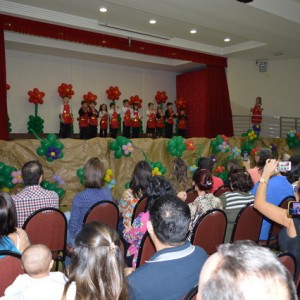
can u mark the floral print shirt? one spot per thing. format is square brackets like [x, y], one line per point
[126, 206]
[135, 234]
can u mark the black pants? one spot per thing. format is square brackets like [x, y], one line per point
[126, 131]
[169, 131]
[135, 132]
[103, 133]
[113, 132]
[159, 132]
[84, 133]
[65, 130]
[92, 131]
[182, 132]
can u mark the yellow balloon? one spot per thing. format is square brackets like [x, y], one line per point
[5, 189]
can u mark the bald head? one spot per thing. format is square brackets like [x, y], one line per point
[37, 260]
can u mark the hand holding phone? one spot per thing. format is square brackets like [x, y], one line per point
[284, 166]
[294, 209]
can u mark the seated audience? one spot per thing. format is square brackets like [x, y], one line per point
[33, 196]
[137, 189]
[97, 266]
[232, 165]
[38, 282]
[240, 183]
[12, 238]
[244, 270]
[157, 187]
[94, 191]
[179, 175]
[207, 163]
[289, 237]
[174, 269]
[293, 175]
[277, 189]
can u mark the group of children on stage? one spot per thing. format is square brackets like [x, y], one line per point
[158, 123]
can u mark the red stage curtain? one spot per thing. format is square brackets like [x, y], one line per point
[3, 103]
[208, 108]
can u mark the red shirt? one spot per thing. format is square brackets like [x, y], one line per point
[151, 123]
[217, 183]
[66, 115]
[135, 122]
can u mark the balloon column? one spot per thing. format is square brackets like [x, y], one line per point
[293, 138]
[65, 90]
[161, 97]
[35, 122]
[176, 146]
[122, 147]
[6, 178]
[113, 93]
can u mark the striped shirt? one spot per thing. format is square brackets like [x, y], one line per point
[234, 200]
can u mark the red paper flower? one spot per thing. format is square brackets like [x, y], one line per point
[36, 96]
[113, 93]
[161, 97]
[65, 90]
[180, 103]
[136, 99]
[90, 97]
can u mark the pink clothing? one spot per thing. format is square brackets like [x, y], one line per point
[255, 174]
[217, 183]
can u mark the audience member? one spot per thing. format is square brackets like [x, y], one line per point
[244, 270]
[240, 183]
[289, 237]
[232, 165]
[97, 266]
[179, 175]
[11, 238]
[293, 175]
[157, 187]
[33, 196]
[38, 282]
[94, 191]
[174, 269]
[137, 189]
[207, 163]
[278, 188]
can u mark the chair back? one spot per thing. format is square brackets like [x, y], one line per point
[48, 226]
[139, 207]
[209, 231]
[192, 294]
[247, 224]
[106, 212]
[221, 190]
[191, 195]
[275, 227]
[11, 267]
[289, 261]
[147, 249]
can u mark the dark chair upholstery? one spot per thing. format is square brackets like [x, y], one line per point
[192, 294]
[106, 212]
[48, 226]
[289, 261]
[209, 231]
[139, 207]
[10, 269]
[191, 195]
[247, 224]
[221, 190]
[147, 249]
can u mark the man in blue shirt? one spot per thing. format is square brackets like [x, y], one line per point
[174, 269]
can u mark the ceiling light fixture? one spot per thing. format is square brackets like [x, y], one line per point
[152, 21]
[226, 40]
[103, 9]
[193, 31]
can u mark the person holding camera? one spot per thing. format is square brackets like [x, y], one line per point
[289, 237]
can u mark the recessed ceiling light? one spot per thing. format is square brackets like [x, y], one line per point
[227, 40]
[152, 21]
[193, 31]
[103, 9]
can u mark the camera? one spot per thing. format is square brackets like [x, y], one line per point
[245, 156]
[294, 209]
[284, 166]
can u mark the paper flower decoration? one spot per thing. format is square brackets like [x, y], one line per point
[224, 147]
[90, 97]
[113, 93]
[161, 97]
[65, 90]
[17, 177]
[36, 96]
[117, 147]
[157, 168]
[6, 178]
[190, 146]
[136, 99]
[236, 151]
[127, 148]
[176, 146]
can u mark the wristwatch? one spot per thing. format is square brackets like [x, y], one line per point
[263, 180]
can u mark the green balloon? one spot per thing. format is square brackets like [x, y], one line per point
[79, 172]
[118, 153]
[52, 187]
[8, 183]
[58, 145]
[50, 159]
[127, 185]
[163, 170]
[121, 140]
[114, 146]
[2, 178]
[51, 137]
[2, 165]
[179, 139]
[41, 151]
[60, 192]
[171, 143]
[7, 170]
[60, 155]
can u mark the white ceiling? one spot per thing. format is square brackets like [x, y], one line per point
[263, 29]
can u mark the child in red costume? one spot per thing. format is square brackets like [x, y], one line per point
[126, 112]
[103, 114]
[83, 120]
[169, 117]
[113, 120]
[151, 123]
[257, 112]
[182, 123]
[135, 121]
[66, 119]
[160, 122]
[93, 119]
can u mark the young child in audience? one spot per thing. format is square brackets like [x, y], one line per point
[169, 116]
[93, 119]
[126, 111]
[83, 120]
[135, 120]
[103, 114]
[160, 122]
[38, 282]
[151, 123]
[113, 120]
